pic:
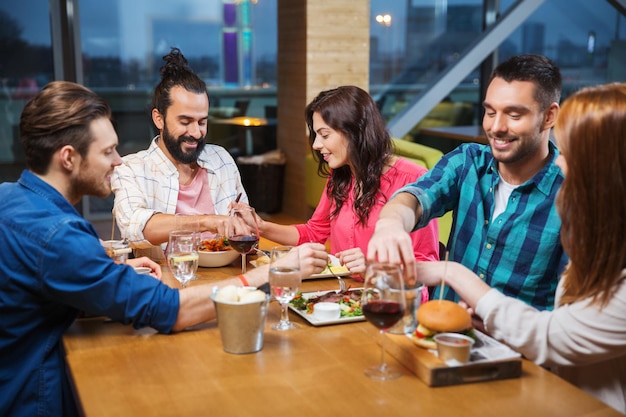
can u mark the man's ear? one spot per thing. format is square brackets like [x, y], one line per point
[550, 115]
[69, 157]
[158, 119]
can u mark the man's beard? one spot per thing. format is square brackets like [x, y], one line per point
[174, 146]
[525, 145]
[87, 184]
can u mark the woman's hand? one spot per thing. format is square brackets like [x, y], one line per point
[461, 279]
[354, 260]
[477, 322]
[248, 221]
[313, 258]
[146, 262]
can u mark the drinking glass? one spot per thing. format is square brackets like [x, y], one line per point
[117, 250]
[192, 223]
[383, 305]
[245, 243]
[285, 280]
[182, 255]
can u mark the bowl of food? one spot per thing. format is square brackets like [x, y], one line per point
[216, 259]
[213, 253]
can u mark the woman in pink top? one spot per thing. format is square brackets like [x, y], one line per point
[355, 153]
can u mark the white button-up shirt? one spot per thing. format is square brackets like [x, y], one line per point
[147, 183]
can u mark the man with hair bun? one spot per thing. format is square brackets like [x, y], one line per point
[180, 173]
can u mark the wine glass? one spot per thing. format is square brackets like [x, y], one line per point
[383, 305]
[182, 255]
[191, 223]
[285, 280]
[245, 243]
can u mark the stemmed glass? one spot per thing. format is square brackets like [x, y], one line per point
[182, 255]
[383, 305]
[285, 280]
[190, 223]
[245, 243]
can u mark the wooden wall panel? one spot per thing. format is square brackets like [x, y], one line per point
[322, 44]
[291, 96]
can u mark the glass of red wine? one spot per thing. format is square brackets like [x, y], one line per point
[245, 243]
[383, 305]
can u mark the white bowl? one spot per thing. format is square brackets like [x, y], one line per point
[326, 311]
[217, 259]
[143, 270]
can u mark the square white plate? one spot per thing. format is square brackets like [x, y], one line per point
[337, 274]
[315, 321]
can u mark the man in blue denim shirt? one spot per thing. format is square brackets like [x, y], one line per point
[505, 228]
[52, 265]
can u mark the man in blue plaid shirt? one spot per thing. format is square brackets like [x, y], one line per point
[506, 227]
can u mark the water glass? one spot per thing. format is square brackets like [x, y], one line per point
[118, 250]
[413, 298]
[182, 255]
[285, 280]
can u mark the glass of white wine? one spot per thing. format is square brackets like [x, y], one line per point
[182, 255]
[285, 280]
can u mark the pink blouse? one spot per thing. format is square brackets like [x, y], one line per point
[345, 232]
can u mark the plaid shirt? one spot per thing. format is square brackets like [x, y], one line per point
[519, 252]
[147, 183]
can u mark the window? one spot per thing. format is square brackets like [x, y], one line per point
[425, 38]
[232, 44]
[26, 65]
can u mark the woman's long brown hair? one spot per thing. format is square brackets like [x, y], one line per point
[591, 134]
[352, 111]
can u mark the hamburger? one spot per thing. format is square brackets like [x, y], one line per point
[440, 316]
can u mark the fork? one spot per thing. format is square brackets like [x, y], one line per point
[342, 284]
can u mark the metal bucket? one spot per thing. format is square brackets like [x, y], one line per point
[241, 325]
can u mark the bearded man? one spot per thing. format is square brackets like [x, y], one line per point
[179, 173]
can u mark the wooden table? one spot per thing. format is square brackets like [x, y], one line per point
[462, 133]
[311, 371]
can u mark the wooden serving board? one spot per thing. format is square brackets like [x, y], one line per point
[436, 373]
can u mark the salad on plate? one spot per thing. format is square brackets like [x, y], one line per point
[349, 301]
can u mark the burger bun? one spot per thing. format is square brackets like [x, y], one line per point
[443, 316]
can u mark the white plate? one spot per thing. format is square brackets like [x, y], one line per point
[334, 262]
[315, 321]
[337, 274]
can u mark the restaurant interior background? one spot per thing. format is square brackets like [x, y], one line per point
[428, 59]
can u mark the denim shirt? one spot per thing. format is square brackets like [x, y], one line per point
[519, 252]
[52, 266]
